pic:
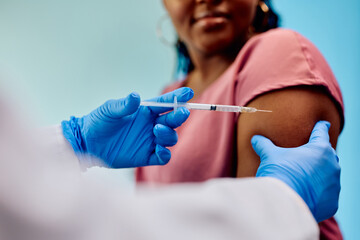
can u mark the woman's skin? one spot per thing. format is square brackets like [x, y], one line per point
[214, 32]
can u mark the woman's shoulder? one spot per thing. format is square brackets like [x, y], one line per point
[279, 47]
[278, 34]
[279, 59]
[280, 39]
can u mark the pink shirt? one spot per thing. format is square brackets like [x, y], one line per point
[270, 61]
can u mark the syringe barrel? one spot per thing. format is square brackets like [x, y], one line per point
[196, 106]
[200, 106]
[224, 108]
[213, 107]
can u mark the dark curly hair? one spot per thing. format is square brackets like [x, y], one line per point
[263, 22]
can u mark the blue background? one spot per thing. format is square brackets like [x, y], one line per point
[69, 56]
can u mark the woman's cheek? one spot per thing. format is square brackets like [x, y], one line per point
[180, 17]
[178, 10]
[245, 9]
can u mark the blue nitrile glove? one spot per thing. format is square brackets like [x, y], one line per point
[122, 134]
[312, 170]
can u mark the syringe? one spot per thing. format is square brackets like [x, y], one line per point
[202, 106]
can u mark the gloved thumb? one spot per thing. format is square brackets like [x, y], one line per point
[262, 146]
[125, 106]
[320, 132]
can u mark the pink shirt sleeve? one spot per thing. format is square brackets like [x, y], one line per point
[278, 59]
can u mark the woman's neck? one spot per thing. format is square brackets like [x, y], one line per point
[207, 69]
[210, 66]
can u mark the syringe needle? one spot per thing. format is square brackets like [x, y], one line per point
[268, 111]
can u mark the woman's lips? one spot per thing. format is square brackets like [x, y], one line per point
[210, 14]
[211, 23]
[210, 20]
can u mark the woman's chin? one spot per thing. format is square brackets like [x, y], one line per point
[213, 41]
[212, 46]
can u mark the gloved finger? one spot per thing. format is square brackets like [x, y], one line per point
[183, 94]
[161, 156]
[164, 135]
[262, 146]
[174, 119]
[121, 107]
[320, 132]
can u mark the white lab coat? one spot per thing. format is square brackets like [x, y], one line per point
[44, 196]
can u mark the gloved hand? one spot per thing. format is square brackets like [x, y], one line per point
[122, 134]
[312, 170]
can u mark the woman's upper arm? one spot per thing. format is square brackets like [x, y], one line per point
[295, 111]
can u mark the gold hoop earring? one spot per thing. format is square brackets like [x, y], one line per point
[159, 32]
[261, 18]
[263, 6]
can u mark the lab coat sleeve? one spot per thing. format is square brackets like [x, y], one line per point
[43, 197]
[252, 208]
[58, 146]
